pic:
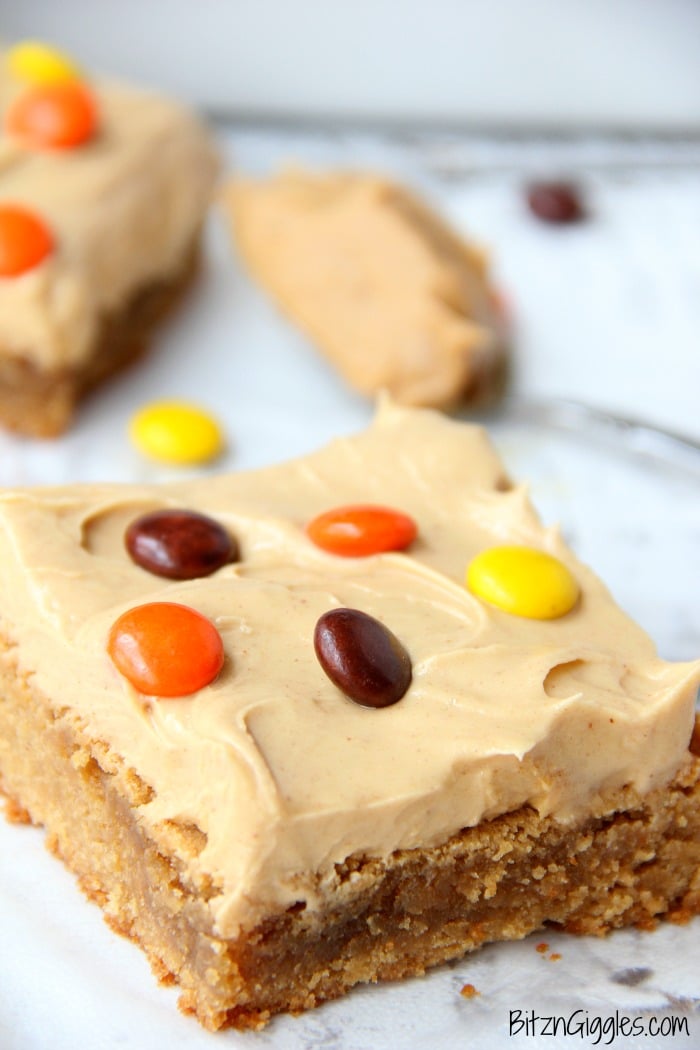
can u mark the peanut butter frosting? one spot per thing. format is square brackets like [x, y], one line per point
[284, 775]
[124, 209]
[385, 288]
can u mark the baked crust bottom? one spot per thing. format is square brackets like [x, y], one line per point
[636, 860]
[41, 403]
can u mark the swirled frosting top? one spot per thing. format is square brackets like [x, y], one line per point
[282, 773]
[123, 209]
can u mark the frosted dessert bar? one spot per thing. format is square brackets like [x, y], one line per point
[103, 191]
[385, 289]
[338, 720]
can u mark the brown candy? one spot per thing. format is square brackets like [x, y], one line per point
[362, 657]
[695, 738]
[555, 202]
[179, 544]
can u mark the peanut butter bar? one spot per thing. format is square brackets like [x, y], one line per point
[384, 288]
[287, 749]
[103, 190]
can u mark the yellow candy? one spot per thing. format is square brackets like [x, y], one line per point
[523, 581]
[176, 432]
[36, 63]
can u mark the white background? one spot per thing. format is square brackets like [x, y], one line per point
[565, 63]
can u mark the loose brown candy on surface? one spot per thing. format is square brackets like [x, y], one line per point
[362, 657]
[179, 544]
[556, 202]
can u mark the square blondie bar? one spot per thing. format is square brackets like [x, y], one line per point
[389, 293]
[103, 193]
[360, 767]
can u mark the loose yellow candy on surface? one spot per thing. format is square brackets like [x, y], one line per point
[176, 432]
[37, 63]
[523, 581]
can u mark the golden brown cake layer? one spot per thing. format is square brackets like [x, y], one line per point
[387, 291]
[630, 861]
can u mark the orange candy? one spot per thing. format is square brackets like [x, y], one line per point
[362, 529]
[53, 116]
[166, 649]
[24, 240]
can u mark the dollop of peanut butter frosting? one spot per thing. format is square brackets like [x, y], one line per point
[284, 775]
[123, 208]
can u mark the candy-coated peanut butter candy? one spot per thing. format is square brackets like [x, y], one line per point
[53, 116]
[37, 63]
[523, 581]
[362, 529]
[179, 544]
[166, 649]
[362, 657]
[176, 432]
[556, 202]
[25, 240]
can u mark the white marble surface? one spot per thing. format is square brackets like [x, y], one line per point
[606, 313]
